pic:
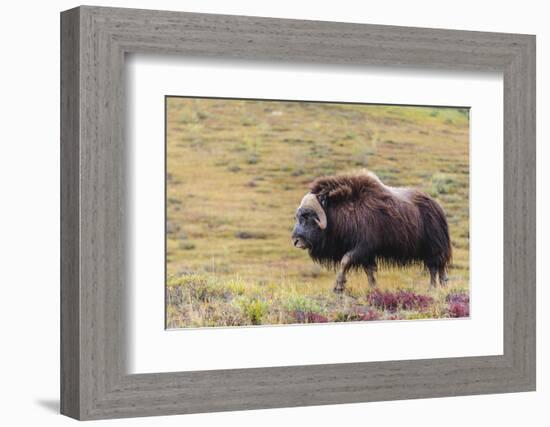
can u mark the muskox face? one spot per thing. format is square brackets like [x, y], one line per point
[311, 221]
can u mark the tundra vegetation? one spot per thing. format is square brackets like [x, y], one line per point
[236, 172]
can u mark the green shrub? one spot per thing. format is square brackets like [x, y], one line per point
[186, 246]
[442, 184]
[253, 159]
[198, 287]
[254, 309]
[303, 303]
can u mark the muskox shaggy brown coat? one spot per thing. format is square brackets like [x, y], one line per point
[355, 221]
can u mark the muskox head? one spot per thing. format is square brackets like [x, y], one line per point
[311, 221]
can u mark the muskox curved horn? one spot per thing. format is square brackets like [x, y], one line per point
[310, 201]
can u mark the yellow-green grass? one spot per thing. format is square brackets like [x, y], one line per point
[236, 171]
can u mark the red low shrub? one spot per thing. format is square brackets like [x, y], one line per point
[370, 315]
[309, 317]
[400, 300]
[458, 305]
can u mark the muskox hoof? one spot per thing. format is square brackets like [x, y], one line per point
[339, 287]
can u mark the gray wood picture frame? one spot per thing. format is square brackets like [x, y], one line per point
[94, 381]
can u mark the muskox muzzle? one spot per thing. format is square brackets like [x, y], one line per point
[298, 238]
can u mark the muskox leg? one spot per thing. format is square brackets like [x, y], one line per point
[371, 269]
[433, 276]
[443, 277]
[345, 265]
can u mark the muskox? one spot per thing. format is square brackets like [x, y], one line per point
[357, 222]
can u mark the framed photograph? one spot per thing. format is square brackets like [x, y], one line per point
[261, 213]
